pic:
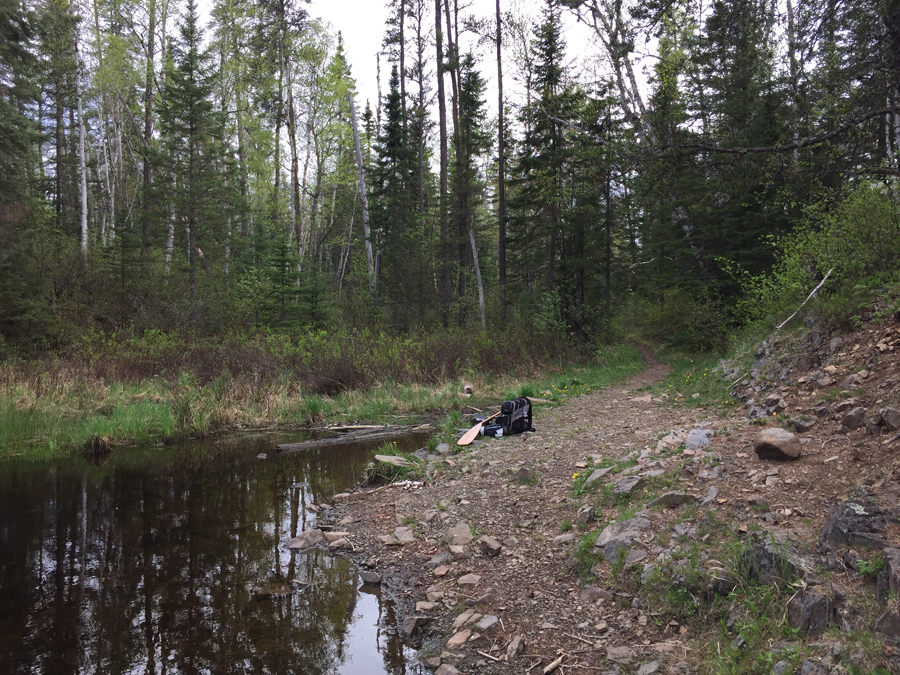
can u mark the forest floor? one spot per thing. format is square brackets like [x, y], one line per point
[493, 559]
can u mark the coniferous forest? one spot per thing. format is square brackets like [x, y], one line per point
[159, 172]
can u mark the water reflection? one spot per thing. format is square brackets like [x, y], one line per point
[148, 563]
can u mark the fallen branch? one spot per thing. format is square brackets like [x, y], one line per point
[553, 665]
[812, 293]
[891, 439]
[492, 658]
[578, 638]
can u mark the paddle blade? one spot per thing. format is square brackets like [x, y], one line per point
[470, 435]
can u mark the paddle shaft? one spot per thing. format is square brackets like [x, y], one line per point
[470, 435]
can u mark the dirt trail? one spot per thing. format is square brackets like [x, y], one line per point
[476, 601]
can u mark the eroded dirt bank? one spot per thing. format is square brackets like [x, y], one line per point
[504, 562]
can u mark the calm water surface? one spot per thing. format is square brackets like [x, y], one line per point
[147, 563]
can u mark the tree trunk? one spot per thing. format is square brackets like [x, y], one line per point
[478, 277]
[362, 195]
[83, 169]
[501, 170]
[442, 207]
[149, 75]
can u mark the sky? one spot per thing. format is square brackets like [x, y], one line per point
[361, 23]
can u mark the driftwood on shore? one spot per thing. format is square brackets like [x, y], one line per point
[358, 436]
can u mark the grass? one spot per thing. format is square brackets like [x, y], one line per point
[694, 381]
[54, 406]
[381, 473]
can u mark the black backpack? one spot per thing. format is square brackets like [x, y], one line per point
[515, 416]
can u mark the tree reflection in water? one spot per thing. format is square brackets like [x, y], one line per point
[147, 564]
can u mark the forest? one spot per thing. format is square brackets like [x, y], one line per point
[163, 177]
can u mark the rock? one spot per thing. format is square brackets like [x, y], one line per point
[810, 668]
[442, 448]
[459, 638]
[782, 668]
[339, 544]
[891, 418]
[596, 475]
[524, 475]
[469, 580]
[887, 626]
[824, 382]
[766, 561]
[622, 655]
[412, 623]
[585, 515]
[447, 669]
[627, 484]
[564, 538]
[810, 611]
[892, 568]
[834, 345]
[873, 429]
[388, 539]
[775, 403]
[459, 535]
[438, 559]
[778, 444]
[370, 578]
[621, 535]
[854, 419]
[698, 438]
[882, 589]
[487, 622]
[394, 460]
[469, 616]
[334, 536]
[855, 523]
[674, 499]
[801, 426]
[845, 405]
[460, 552]
[710, 497]
[649, 668]
[516, 646]
[851, 382]
[306, 540]
[404, 535]
[593, 594]
[489, 546]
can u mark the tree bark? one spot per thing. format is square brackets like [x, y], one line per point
[442, 208]
[478, 277]
[362, 194]
[501, 169]
[82, 164]
[149, 75]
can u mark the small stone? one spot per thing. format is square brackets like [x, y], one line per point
[459, 535]
[698, 438]
[460, 552]
[891, 418]
[442, 448]
[782, 668]
[438, 559]
[394, 460]
[622, 655]
[306, 540]
[469, 580]
[810, 611]
[649, 668]
[334, 536]
[778, 444]
[404, 535]
[516, 646]
[487, 622]
[425, 606]
[370, 578]
[801, 426]
[525, 475]
[563, 539]
[489, 546]
[447, 669]
[459, 638]
[585, 515]
[412, 623]
[596, 475]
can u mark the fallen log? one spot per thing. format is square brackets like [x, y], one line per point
[361, 436]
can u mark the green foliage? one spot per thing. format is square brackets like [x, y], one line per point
[382, 473]
[693, 320]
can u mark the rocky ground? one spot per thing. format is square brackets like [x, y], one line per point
[631, 534]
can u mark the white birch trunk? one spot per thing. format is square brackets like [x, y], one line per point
[83, 168]
[478, 277]
[362, 195]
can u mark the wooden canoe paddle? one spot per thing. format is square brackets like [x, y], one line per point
[470, 435]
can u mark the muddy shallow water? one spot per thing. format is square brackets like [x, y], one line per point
[148, 562]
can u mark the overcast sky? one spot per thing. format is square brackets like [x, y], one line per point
[361, 22]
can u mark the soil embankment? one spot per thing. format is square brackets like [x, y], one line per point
[504, 561]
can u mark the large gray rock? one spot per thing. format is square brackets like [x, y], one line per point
[306, 540]
[776, 443]
[595, 476]
[765, 561]
[892, 568]
[460, 535]
[516, 646]
[585, 515]
[627, 484]
[891, 418]
[810, 611]
[438, 559]
[855, 523]
[698, 438]
[404, 535]
[621, 535]
[887, 626]
[854, 418]
[801, 426]
[412, 623]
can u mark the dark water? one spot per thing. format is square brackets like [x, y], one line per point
[147, 564]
